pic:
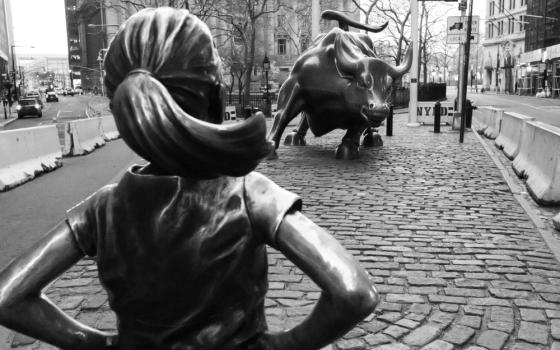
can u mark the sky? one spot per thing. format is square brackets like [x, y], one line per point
[39, 23]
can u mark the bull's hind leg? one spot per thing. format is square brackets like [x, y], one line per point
[372, 138]
[297, 136]
[348, 148]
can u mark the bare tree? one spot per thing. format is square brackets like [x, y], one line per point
[365, 8]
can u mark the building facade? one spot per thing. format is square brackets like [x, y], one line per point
[542, 45]
[504, 44]
[6, 47]
[90, 25]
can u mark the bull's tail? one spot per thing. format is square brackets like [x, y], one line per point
[344, 22]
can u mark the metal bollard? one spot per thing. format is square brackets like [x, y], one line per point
[389, 128]
[437, 117]
[470, 107]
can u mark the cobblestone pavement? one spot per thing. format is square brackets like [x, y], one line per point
[456, 259]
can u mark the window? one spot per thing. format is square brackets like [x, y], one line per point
[492, 8]
[522, 20]
[281, 20]
[489, 31]
[281, 43]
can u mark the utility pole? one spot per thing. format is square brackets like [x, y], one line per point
[14, 73]
[465, 72]
[413, 102]
[457, 115]
[315, 17]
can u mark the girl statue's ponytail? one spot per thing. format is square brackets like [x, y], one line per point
[163, 76]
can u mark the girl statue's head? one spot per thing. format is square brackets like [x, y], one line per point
[163, 76]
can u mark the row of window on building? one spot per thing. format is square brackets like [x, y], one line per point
[501, 5]
[499, 27]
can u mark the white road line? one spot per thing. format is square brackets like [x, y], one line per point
[528, 105]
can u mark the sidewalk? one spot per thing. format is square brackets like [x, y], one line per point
[5, 121]
[457, 260]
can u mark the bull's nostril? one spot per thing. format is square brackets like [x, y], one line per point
[371, 105]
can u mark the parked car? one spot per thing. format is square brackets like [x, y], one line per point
[36, 95]
[69, 92]
[78, 91]
[51, 96]
[29, 106]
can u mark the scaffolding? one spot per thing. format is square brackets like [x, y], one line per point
[556, 85]
[524, 85]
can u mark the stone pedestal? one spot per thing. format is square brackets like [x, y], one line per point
[456, 121]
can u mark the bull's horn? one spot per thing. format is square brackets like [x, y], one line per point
[400, 70]
[345, 21]
[343, 50]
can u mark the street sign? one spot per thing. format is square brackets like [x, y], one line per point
[461, 38]
[458, 25]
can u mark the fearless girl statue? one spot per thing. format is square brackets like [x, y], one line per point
[180, 243]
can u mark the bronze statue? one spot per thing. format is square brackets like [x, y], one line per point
[180, 243]
[338, 83]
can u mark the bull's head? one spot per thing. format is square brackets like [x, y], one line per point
[370, 78]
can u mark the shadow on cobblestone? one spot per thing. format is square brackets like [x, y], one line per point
[456, 259]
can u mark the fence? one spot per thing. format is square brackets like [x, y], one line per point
[254, 100]
[426, 92]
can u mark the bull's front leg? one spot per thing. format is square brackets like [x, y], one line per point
[349, 147]
[290, 104]
[372, 138]
[297, 136]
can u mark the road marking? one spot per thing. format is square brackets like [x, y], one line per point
[543, 108]
[528, 105]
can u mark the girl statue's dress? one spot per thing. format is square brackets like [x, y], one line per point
[180, 242]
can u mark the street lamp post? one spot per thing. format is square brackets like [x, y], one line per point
[100, 60]
[266, 68]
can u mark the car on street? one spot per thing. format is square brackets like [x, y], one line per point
[52, 97]
[29, 106]
[36, 95]
[78, 91]
[68, 92]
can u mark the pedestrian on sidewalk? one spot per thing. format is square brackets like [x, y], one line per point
[180, 243]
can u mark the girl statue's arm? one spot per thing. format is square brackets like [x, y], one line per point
[347, 295]
[25, 309]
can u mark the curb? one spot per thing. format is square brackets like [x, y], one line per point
[4, 122]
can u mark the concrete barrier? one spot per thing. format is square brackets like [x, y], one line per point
[556, 221]
[109, 128]
[230, 113]
[511, 130]
[425, 112]
[488, 120]
[25, 153]
[539, 161]
[83, 137]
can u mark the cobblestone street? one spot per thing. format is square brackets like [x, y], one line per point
[457, 261]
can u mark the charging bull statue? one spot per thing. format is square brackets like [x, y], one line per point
[338, 83]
